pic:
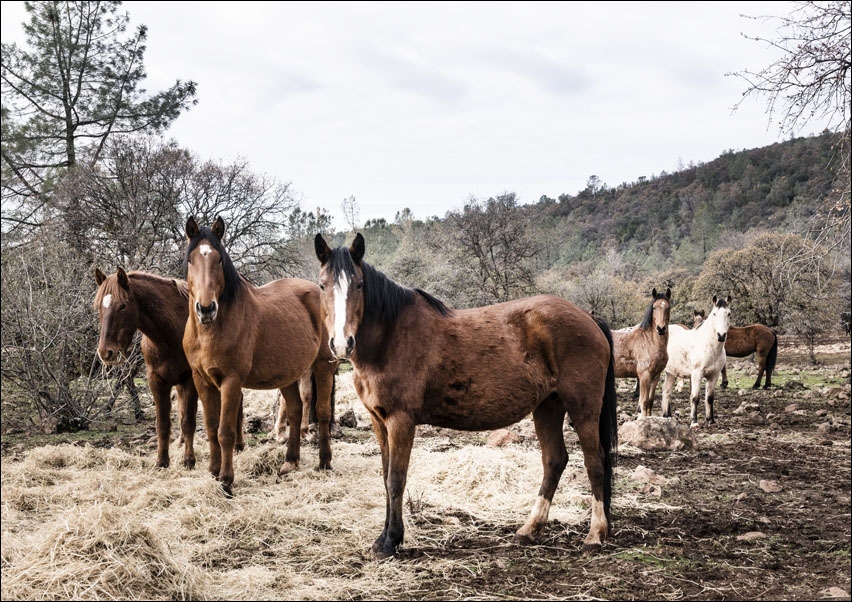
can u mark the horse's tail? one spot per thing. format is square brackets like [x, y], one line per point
[608, 425]
[313, 412]
[773, 354]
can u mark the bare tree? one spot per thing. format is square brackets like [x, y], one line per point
[811, 81]
[351, 212]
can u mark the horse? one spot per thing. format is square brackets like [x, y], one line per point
[640, 351]
[742, 341]
[417, 361]
[157, 307]
[698, 353]
[258, 337]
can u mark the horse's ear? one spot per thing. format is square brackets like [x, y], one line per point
[219, 227]
[357, 249]
[714, 300]
[322, 249]
[728, 300]
[669, 293]
[654, 293]
[122, 278]
[191, 227]
[99, 276]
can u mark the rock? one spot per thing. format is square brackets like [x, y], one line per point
[770, 486]
[646, 475]
[348, 419]
[834, 592]
[791, 408]
[501, 438]
[751, 536]
[657, 433]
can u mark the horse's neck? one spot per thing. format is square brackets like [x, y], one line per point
[162, 310]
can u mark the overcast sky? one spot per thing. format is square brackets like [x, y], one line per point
[424, 105]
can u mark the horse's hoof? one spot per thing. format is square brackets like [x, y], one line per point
[287, 468]
[325, 466]
[240, 447]
[694, 425]
[522, 539]
[189, 463]
[591, 548]
[227, 490]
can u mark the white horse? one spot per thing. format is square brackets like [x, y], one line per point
[698, 354]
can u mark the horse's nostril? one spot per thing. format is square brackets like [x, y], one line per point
[350, 344]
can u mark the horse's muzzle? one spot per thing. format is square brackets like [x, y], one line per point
[722, 337]
[206, 314]
[661, 330]
[111, 357]
[342, 354]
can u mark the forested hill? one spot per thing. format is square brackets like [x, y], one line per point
[773, 188]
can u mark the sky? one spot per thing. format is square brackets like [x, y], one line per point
[426, 105]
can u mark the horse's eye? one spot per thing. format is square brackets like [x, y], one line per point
[359, 286]
[322, 287]
[122, 307]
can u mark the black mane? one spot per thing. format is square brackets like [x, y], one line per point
[234, 283]
[648, 319]
[384, 299]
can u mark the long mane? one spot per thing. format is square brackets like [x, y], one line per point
[384, 299]
[234, 282]
[648, 319]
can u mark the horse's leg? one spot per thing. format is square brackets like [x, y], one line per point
[211, 400]
[293, 403]
[710, 390]
[187, 411]
[668, 385]
[594, 458]
[240, 444]
[547, 417]
[381, 434]
[231, 395]
[646, 393]
[306, 392]
[400, 429]
[761, 368]
[281, 426]
[694, 394]
[324, 383]
[161, 391]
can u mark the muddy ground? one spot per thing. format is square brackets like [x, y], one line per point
[760, 510]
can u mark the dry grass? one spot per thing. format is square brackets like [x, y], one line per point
[87, 523]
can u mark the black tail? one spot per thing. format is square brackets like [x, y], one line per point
[608, 426]
[772, 357]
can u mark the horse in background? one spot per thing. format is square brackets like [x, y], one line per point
[258, 337]
[641, 351]
[698, 354]
[743, 341]
[416, 361]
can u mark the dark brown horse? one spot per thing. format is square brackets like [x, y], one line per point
[743, 341]
[241, 335]
[640, 351]
[156, 307]
[418, 362]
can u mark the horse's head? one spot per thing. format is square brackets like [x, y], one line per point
[720, 317]
[698, 316]
[118, 314]
[208, 269]
[661, 310]
[341, 281]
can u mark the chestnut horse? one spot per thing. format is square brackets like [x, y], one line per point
[241, 335]
[698, 353]
[640, 351]
[416, 361]
[743, 341]
[157, 307]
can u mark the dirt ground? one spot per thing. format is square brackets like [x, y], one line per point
[760, 510]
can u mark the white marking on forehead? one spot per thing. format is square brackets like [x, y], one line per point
[205, 249]
[107, 300]
[341, 291]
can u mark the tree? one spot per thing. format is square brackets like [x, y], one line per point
[811, 81]
[491, 244]
[77, 85]
[351, 212]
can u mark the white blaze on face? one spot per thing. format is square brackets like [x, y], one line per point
[341, 291]
[205, 249]
[107, 300]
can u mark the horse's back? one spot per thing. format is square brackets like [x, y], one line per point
[745, 340]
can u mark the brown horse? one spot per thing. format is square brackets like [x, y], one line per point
[743, 341]
[418, 362]
[241, 335]
[157, 307]
[640, 351]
